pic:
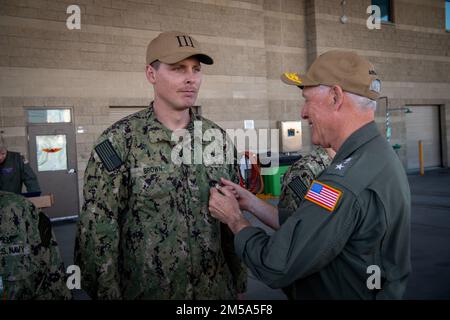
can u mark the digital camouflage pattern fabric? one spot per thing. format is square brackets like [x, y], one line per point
[306, 169]
[30, 263]
[145, 231]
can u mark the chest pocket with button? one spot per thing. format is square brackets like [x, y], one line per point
[215, 172]
[156, 182]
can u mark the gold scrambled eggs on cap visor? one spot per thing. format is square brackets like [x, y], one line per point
[291, 78]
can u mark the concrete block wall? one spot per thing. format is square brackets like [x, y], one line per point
[285, 27]
[411, 55]
[43, 64]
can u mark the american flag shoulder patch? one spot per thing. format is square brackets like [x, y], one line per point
[323, 195]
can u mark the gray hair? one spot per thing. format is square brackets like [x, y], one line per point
[155, 64]
[365, 104]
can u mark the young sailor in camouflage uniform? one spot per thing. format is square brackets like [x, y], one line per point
[30, 263]
[145, 231]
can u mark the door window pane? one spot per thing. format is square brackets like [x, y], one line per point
[51, 152]
[385, 7]
[49, 116]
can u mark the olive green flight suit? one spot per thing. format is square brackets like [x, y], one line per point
[14, 171]
[329, 254]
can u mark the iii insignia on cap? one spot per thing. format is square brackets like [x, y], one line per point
[174, 46]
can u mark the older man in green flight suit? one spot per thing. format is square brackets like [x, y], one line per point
[350, 237]
[15, 171]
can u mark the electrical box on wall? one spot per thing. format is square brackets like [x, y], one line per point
[249, 124]
[290, 136]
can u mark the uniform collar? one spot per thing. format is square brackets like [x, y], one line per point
[158, 132]
[356, 140]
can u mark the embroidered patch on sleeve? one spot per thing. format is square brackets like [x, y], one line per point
[108, 155]
[323, 195]
[298, 187]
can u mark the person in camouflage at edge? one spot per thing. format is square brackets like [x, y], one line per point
[299, 176]
[145, 231]
[30, 263]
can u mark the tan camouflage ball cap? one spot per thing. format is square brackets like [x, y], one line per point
[173, 46]
[346, 69]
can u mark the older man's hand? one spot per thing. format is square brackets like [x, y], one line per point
[247, 200]
[224, 206]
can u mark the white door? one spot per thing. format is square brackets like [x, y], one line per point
[423, 124]
[53, 157]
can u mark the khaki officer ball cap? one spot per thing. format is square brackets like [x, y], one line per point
[173, 46]
[346, 69]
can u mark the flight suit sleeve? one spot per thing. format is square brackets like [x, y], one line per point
[97, 251]
[283, 215]
[236, 266]
[308, 240]
[29, 177]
